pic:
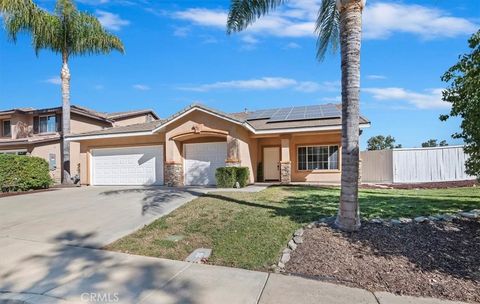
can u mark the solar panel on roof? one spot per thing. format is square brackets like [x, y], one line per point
[306, 112]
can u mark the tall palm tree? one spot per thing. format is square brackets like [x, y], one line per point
[68, 32]
[337, 20]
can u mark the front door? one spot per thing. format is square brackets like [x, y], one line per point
[271, 164]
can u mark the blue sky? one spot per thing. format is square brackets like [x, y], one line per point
[177, 52]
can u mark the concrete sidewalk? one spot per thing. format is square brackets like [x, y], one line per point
[58, 273]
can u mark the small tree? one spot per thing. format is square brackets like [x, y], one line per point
[430, 143]
[443, 143]
[464, 95]
[381, 142]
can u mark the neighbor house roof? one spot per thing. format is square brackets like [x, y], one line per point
[264, 125]
[108, 117]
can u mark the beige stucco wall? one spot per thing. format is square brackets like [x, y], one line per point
[43, 151]
[131, 120]
[295, 140]
[81, 124]
[246, 145]
[133, 141]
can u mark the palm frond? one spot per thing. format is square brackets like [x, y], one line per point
[244, 12]
[18, 15]
[87, 36]
[327, 28]
[67, 31]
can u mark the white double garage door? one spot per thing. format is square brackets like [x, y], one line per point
[144, 165]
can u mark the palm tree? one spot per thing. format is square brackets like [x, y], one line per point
[336, 19]
[68, 32]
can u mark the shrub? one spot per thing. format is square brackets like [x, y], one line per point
[22, 173]
[243, 175]
[227, 177]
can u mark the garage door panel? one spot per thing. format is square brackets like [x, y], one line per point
[202, 160]
[128, 166]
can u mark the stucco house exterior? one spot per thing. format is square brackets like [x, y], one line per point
[37, 132]
[300, 144]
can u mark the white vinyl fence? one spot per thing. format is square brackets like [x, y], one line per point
[414, 165]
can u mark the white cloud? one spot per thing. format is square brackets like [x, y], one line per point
[429, 99]
[181, 31]
[111, 21]
[266, 83]
[141, 87]
[335, 99]
[381, 20]
[203, 16]
[376, 77]
[94, 2]
[249, 39]
[292, 45]
[54, 80]
[384, 19]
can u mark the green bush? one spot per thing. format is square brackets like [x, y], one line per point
[227, 177]
[22, 173]
[243, 175]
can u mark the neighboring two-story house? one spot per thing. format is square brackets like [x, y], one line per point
[37, 132]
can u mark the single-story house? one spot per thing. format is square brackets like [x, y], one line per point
[300, 144]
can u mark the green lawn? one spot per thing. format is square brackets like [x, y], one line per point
[249, 230]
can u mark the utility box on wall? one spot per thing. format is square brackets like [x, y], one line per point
[52, 162]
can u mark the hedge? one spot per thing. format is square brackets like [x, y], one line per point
[22, 173]
[227, 177]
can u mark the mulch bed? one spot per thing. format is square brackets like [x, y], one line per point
[437, 259]
[432, 185]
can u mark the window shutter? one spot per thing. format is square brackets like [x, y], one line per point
[35, 124]
[58, 120]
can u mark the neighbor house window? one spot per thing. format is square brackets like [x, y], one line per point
[317, 158]
[47, 124]
[6, 128]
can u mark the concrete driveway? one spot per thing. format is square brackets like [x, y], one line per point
[87, 216]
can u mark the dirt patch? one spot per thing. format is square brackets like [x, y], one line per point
[433, 185]
[440, 259]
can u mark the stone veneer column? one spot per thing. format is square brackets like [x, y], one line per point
[173, 174]
[285, 163]
[285, 172]
[232, 163]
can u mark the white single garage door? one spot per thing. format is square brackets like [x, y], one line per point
[202, 160]
[127, 166]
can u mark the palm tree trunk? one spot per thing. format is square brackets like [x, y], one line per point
[65, 75]
[350, 40]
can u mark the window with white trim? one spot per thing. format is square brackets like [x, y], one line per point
[317, 158]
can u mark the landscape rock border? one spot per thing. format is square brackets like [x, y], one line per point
[297, 236]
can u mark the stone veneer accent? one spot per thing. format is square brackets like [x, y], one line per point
[173, 174]
[285, 172]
